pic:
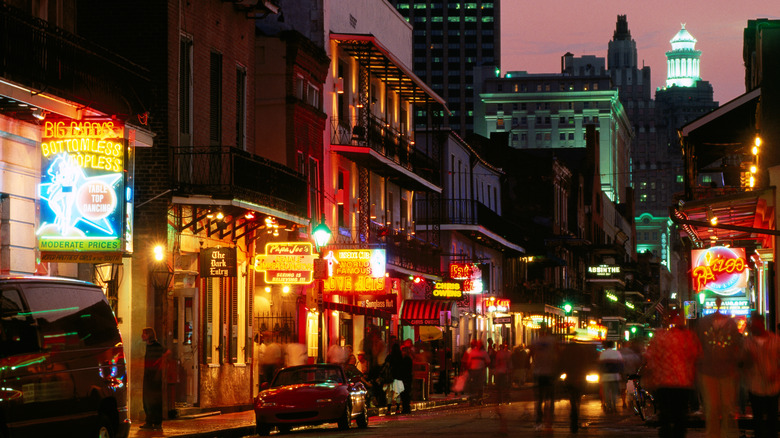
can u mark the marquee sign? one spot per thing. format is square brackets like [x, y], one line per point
[494, 304]
[603, 271]
[82, 190]
[286, 263]
[447, 290]
[719, 269]
[356, 270]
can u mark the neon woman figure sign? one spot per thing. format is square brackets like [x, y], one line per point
[719, 269]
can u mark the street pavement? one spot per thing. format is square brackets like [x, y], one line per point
[242, 424]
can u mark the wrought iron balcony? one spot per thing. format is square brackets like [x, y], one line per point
[41, 56]
[470, 216]
[407, 251]
[386, 151]
[229, 173]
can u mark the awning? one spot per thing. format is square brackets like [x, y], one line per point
[426, 312]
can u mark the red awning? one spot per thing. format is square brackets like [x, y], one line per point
[426, 312]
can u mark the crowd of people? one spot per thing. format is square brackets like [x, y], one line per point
[712, 365]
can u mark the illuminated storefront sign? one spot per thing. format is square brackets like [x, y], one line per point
[386, 303]
[448, 290]
[356, 270]
[462, 271]
[218, 262]
[286, 263]
[493, 304]
[82, 188]
[603, 271]
[719, 269]
[735, 307]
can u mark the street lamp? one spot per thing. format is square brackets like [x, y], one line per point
[321, 234]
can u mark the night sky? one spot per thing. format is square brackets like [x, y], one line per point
[534, 35]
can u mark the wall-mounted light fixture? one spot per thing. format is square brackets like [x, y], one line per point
[39, 114]
[338, 87]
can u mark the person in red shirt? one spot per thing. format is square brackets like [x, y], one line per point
[670, 374]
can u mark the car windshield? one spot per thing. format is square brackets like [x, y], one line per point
[295, 376]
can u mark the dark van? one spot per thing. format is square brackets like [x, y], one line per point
[62, 365]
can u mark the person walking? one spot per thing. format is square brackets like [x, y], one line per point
[718, 365]
[502, 369]
[407, 375]
[544, 356]
[762, 374]
[477, 360]
[153, 380]
[670, 374]
[575, 359]
[611, 364]
[396, 386]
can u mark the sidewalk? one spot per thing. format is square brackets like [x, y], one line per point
[239, 424]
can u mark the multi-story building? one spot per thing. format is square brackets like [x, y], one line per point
[451, 39]
[72, 119]
[466, 218]
[653, 177]
[553, 110]
[206, 196]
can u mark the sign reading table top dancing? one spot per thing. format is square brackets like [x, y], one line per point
[719, 269]
[82, 187]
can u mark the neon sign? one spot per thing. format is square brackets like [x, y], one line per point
[493, 304]
[286, 263]
[462, 271]
[82, 188]
[720, 269]
[356, 270]
[447, 290]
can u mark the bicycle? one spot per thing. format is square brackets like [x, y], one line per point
[642, 402]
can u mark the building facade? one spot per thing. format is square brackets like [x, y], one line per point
[451, 39]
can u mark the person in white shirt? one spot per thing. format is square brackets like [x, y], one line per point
[611, 363]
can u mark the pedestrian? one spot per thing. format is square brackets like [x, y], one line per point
[670, 374]
[273, 359]
[396, 386]
[362, 362]
[296, 354]
[611, 365]
[521, 361]
[544, 356]
[502, 368]
[762, 366]
[407, 374]
[445, 368]
[491, 350]
[575, 362]
[718, 365]
[153, 380]
[477, 362]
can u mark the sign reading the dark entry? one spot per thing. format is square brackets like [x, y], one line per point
[218, 262]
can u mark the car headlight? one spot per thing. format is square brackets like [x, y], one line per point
[563, 376]
[266, 404]
[592, 378]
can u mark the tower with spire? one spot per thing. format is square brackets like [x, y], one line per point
[682, 62]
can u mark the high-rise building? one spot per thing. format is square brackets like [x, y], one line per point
[451, 38]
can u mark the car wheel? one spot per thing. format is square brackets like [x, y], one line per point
[263, 429]
[362, 419]
[345, 418]
[105, 430]
[285, 428]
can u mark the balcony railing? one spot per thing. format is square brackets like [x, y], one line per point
[407, 251]
[229, 173]
[464, 212]
[41, 56]
[388, 142]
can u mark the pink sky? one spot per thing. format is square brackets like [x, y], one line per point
[535, 35]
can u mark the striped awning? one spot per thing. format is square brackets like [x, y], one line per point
[427, 312]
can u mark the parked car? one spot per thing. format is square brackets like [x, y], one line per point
[62, 364]
[310, 395]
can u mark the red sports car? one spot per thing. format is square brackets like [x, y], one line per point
[311, 395]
